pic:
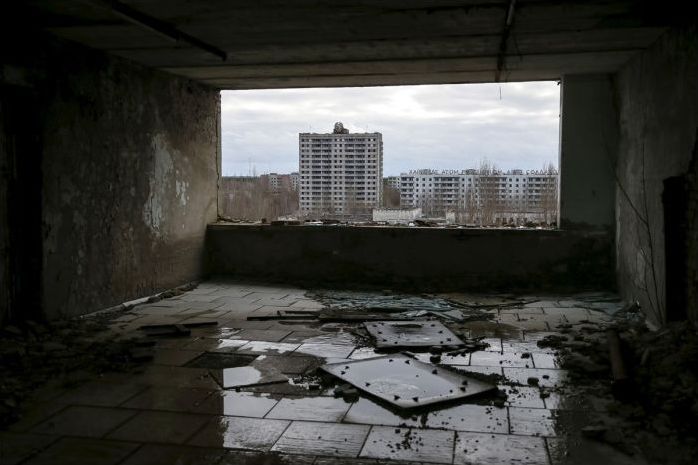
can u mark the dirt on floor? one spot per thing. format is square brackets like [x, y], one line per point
[654, 412]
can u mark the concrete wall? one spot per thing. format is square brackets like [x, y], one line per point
[4, 223]
[588, 145]
[414, 258]
[658, 101]
[129, 170]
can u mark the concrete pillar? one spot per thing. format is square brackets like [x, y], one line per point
[588, 147]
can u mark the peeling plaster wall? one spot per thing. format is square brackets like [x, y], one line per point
[130, 165]
[658, 102]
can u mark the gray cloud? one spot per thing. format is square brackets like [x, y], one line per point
[514, 125]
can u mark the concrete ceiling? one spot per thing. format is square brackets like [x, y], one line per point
[320, 43]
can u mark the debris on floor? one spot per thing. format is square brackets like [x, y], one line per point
[173, 330]
[386, 301]
[405, 382]
[61, 352]
[537, 367]
[650, 379]
[410, 334]
[485, 301]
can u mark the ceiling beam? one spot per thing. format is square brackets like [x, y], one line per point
[506, 29]
[162, 28]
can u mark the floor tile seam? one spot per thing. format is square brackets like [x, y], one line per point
[43, 420]
[132, 453]
[363, 443]
[136, 394]
[548, 453]
[34, 453]
[121, 423]
[198, 430]
[280, 435]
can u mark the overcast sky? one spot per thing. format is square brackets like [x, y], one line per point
[513, 125]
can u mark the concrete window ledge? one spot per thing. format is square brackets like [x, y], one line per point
[424, 259]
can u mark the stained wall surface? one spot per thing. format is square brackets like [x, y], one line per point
[658, 104]
[129, 167]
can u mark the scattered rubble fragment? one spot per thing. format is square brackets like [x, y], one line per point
[482, 301]
[386, 301]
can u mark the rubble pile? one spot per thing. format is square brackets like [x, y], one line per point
[656, 410]
[62, 351]
[664, 401]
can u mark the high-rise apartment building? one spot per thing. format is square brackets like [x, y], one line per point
[341, 174]
[484, 197]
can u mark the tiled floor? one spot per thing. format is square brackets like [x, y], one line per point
[174, 413]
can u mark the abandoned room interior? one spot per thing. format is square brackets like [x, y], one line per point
[138, 327]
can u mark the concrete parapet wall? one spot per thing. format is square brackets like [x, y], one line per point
[414, 258]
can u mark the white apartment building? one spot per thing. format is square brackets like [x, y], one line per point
[495, 197]
[341, 174]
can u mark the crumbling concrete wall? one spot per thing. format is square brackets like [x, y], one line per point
[129, 172]
[130, 182]
[423, 259]
[658, 103]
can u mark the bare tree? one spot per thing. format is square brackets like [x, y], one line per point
[549, 195]
[488, 191]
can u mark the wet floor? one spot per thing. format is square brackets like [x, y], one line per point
[249, 390]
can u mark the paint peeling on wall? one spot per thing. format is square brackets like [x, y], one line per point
[160, 177]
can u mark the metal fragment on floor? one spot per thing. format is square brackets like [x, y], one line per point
[398, 334]
[406, 382]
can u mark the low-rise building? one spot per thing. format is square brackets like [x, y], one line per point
[396, 215]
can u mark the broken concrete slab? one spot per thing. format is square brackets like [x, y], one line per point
[399, 334]
[406, 382]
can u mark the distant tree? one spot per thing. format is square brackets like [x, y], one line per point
[549, 195]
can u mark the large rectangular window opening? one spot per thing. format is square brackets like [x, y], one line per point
[461, 155]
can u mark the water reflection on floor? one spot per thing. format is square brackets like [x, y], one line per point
[192, 401]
